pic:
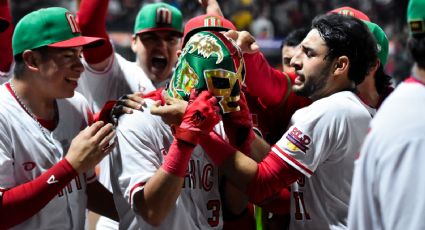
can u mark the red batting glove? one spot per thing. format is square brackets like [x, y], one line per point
[200, 117]
[238, 127]
[202, 114]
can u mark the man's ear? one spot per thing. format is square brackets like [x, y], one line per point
[31, 59]
[179, 52]
[341, 65]
[133, 43]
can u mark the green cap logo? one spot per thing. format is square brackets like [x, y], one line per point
[157, 17]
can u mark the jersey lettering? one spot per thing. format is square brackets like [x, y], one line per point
[199, 177]
[214, 206]
[207, 172]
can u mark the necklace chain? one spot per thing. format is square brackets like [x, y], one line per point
[28, 110]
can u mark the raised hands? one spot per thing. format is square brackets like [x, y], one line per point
[172, 112]
[200, 117]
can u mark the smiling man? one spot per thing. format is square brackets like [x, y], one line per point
[47, 148]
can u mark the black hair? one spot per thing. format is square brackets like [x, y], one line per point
[19, 68]
[295, 37]
[348, 36]
[382, 81]
[416, 46]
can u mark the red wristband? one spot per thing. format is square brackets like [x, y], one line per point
[177, 159]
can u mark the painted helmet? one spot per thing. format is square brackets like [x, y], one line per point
[210, 61]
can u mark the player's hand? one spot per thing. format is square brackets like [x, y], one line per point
[90, 146]
[202, 113]
[127, 103]
[211, 7]
[238, 126]
[244, 40]
[172, 112]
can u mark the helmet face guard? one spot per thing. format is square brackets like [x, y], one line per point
[210, 61]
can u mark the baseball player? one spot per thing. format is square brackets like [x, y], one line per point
[141, 181]
[6, 30]
[108, 76]
[377, 85]
[387, 186]
[46, 175]
[323, 138]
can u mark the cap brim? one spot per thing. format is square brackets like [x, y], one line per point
[86, 42]
[4, 24]
[160, 29]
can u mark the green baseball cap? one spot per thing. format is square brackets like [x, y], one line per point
[158, 17]
[53, 27]
[381, 40]
[416, 16]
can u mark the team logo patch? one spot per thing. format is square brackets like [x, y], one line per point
[163, 16]
[417, 26]
[212, 21]
[297, 141]
[52, 180]
[346, 13]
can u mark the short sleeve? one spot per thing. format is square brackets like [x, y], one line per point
[310, 140]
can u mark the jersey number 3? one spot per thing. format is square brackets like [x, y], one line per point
[214, 206]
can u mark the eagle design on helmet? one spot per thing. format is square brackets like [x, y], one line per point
[210, 61]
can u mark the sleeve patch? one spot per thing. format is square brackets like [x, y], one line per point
[297, 141]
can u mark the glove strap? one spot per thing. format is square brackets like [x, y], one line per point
[189, 136]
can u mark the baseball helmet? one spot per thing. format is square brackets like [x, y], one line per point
[210, 61]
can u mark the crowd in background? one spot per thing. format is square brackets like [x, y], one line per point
[266, 19]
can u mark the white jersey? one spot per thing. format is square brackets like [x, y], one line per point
[388, 184]
[5, 76]
[321, 143]
[143, 141]
[121, 77]
[26, 153]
